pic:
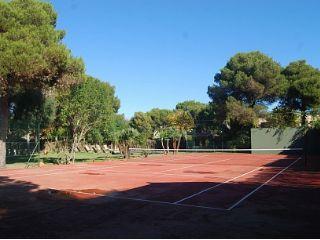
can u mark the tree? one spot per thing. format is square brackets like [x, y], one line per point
[113, 127]
[182, 122]
[205, 120]
[238, 112]
[171, 133]
[159, 118]
[30, 112]
[302, 88]
[163, 134]
[86, 107]
[241, 91]
[193, 107]
[249, 77]
[32, 54]
[127, 138]
[142, 122]
[282, 116]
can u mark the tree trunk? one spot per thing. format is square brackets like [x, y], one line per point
[303, 114]
[303, 118]
[168, 147]
[4, 117]
[174, 145]
[179, 141]
[164, 151]
[127, 151]
[73, 151]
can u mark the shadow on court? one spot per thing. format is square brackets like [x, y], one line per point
[287, 207]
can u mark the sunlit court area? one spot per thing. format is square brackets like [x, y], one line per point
[159, 119]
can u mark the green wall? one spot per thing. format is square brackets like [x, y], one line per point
[273, 138]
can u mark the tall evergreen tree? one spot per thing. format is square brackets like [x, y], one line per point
[32, 54]
[302, 88]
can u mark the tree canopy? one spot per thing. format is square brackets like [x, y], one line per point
[302, 87]
[142, 122]
[242, 89]
[191, 106]
[249, 77]
[159, 117]
[32, 54]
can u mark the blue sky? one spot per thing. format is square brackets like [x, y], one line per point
[161, 52]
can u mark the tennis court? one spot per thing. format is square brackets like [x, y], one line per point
[189, 194]
[209, 180]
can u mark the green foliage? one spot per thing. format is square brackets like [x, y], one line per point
[171, 133]
[242, 114]
[32, 58]
[181, 120]
[29, 110]
[316, 124]
[180, 123]
[248, 77]
[302, 87]
[159, 118]
[206, 121]
[193, 107]
[95, 136]
[240, 93]
[113, 127]
[142, 122]
[240, 139]
[283, 117]
[28, 33]
[129, 136]
[87, 107]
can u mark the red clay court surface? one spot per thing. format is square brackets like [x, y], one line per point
[208, 182]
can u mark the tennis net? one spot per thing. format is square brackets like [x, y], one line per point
[150, 151]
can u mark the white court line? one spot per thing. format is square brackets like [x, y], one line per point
[215, 186]
[142, 200]
[266, 182]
